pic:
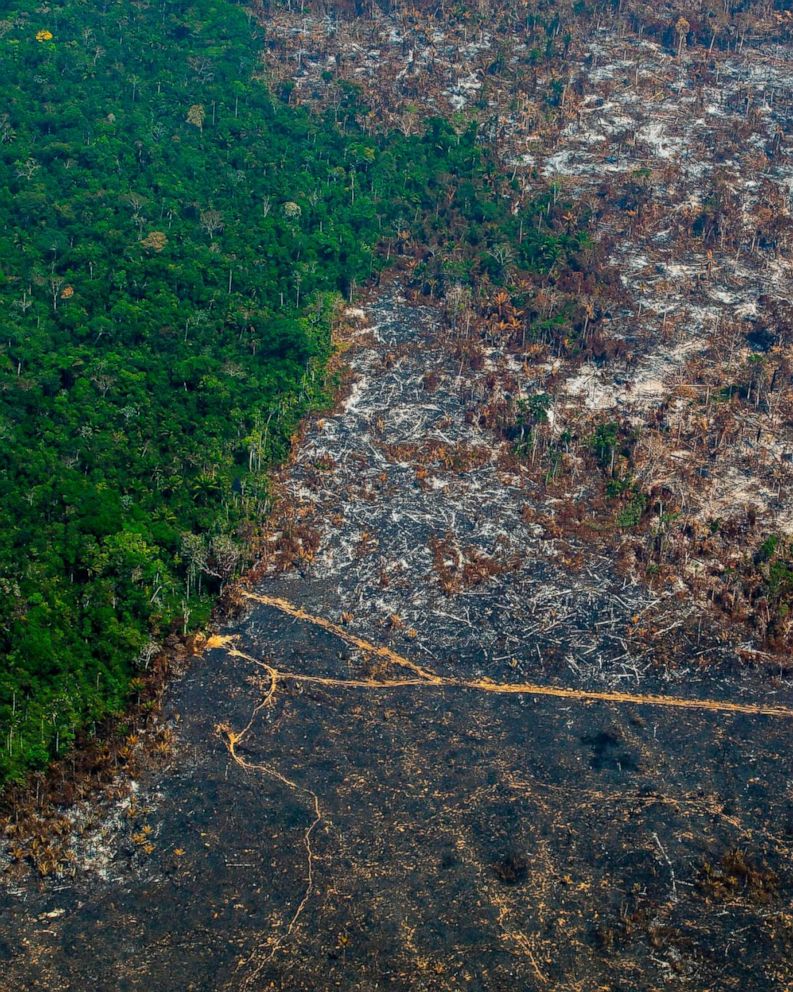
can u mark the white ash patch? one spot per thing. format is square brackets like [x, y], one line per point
[404, 518]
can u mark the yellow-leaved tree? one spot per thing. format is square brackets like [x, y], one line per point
[196, 116]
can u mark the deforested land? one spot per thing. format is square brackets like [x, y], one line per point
[396, 550]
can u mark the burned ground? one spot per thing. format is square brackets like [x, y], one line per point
[352, 801]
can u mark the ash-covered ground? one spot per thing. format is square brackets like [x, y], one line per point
[678, 148]
[353, 802]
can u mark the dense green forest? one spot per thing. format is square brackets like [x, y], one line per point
[173, 240]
